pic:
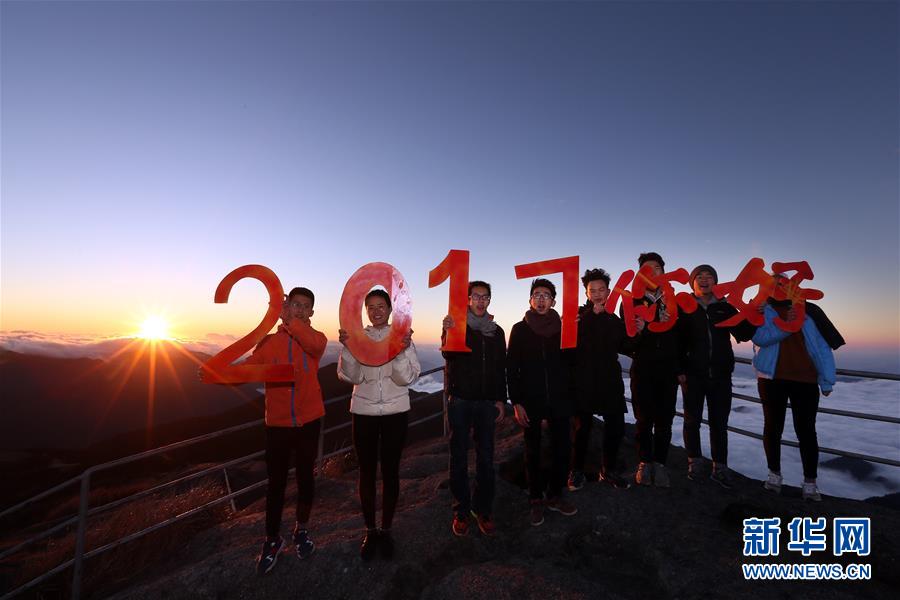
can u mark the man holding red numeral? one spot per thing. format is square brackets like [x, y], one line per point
[294, 411]
[537, 378]
[476, 383]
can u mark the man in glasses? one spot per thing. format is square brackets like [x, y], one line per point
[294, 411]
[476, 384]
[537, 378]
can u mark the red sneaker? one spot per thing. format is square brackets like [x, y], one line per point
[460, 526]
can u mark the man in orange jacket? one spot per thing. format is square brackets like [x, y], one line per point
[294, 411]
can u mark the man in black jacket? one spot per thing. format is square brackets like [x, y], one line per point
[655, 375]
[538, 388]
[708, 362]
[476, 383]
[597, 381]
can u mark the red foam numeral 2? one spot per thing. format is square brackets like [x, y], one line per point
[219, 368]
[455, 266]
[364, 349]
[569, 268]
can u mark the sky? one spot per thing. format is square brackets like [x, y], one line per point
[149, 148]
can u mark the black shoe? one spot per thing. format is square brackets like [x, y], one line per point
[385, 544]
[620, 483]
[267, 558]
[369, 545]
[305, 546]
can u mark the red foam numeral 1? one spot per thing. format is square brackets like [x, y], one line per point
[219, 368]
[569, 268]
[455, 266]
[364, 349]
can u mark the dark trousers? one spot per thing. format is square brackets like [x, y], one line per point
[479, 418]
[281, 442]
[373, 437]
[613, 431]
[653, 397]
[804, 398]
[717, 393]
[560, 444]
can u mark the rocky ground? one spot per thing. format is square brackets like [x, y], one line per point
[682, 542]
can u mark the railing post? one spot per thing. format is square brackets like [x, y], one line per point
[79, 539]
[228, 489]
[321, 450]
[444, 404]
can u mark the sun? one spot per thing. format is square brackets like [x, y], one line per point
[154, 328]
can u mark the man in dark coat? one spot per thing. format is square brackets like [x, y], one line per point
[655, 375]
[708, 362]
[537, 378]
[597, 378]
[476, 385]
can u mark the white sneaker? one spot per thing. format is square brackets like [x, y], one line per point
[660, 476]
[811, 492]
[773, 483]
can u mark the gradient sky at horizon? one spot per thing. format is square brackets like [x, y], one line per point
[148, 148]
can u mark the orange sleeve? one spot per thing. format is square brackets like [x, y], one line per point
[261, 354]
[313, 342]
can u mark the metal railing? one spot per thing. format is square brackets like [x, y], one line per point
[85, 478]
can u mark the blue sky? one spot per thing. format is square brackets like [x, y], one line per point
[148, 148]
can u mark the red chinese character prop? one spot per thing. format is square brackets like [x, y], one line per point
[752, 274]
[364, 349]
[219, 368]
[790, 290]
[628, 312]
[569, 268]
[645, 280]
[455, 266]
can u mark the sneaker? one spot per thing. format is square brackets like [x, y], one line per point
[644, 474]
[485, 524]
[537, 512]
[369, 545]
[576, 480]
[694, 470]
[268, 556]
[460, 526]
[723, 477]
[562, 506]
[660, 476]
[620, 483]
[773, 483]
[385, 544]
[305, 546]
[811, 492]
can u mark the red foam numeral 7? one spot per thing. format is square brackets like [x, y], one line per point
[569, 268]
[365, 350]
[219, 368]
[455, 266]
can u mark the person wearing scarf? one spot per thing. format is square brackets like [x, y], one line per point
[537, 377]
[476, 401]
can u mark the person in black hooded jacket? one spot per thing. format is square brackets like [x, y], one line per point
[597, 381]
[708, 362]
[476, 386]
[537, 378]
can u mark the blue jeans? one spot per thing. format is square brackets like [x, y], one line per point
[477, 416]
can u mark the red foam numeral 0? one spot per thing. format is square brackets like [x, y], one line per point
[569, 268]
[455, 266]
[219, 368]
[364, 349]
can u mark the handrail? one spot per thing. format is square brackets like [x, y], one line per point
[84, 478]
[847, 372]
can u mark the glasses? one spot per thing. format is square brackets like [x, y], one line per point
[297, 305]
[477, 297]
[541, 296]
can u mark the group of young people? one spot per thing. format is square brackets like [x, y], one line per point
[564, 388]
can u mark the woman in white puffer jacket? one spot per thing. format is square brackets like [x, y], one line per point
[379, 409]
